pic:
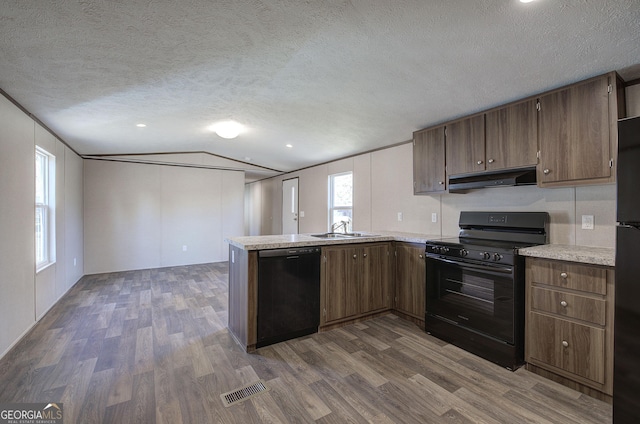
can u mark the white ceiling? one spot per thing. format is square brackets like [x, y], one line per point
[332, 78]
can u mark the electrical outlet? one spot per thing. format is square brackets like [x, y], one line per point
[434, 217]
[587, 222]
[301, 214]
[399, 216]
[74, 262]
[184, 247]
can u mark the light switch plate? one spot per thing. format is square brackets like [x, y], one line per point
[399, 216]
[587, 222]
[434, 217]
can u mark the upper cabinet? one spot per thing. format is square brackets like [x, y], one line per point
[465, 146]
[578, 133]
[429, 174]
[569, 134]
[512, 136]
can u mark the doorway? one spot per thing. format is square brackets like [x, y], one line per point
[290, 206]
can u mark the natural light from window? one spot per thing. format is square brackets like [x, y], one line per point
[45, 201]
[341, 202]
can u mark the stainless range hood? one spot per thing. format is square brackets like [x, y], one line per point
[506, 178]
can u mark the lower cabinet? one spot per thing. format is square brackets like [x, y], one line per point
[569, 323]
[410, 281]
[355, 281]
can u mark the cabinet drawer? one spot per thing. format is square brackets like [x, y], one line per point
[575, 348]
[569, 276]
[569, 305]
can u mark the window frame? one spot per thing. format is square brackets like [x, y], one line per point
[332, 208]
[44, 210]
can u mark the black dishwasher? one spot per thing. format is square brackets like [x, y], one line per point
[288, 294]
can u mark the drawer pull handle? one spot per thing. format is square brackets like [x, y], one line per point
[563, 303]
[420, 256]
[565, 343]
[564, 275]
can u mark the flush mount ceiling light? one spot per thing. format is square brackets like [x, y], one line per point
[526, 1]
[289, 145]
[141, 125]
[227, 129]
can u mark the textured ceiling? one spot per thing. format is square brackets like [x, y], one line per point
[332, 78]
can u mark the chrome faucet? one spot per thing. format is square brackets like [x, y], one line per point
[337, 225]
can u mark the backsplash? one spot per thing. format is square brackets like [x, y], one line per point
[383, 188]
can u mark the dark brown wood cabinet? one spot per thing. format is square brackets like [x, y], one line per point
[569, 324]
[338, 276]
[355, 281]
[375, 286]
[410, 281]
[512, 136]
[465, 145]
[578, 133]
[570, 134]
[429, 174]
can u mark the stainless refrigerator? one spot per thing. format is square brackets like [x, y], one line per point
[626, 378]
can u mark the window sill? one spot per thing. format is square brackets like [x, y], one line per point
[45, 266]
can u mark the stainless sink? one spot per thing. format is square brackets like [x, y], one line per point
[341, 235]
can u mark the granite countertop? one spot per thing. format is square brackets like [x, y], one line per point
[303, 240]
[584, 254]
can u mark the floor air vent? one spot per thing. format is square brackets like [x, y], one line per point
[236, 396]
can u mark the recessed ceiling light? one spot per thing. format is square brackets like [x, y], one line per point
[289, 145]
[227, 129]
[141, 125]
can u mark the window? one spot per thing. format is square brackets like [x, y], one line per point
[45, 204]
[341, 201]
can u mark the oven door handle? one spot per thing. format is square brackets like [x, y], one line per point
[491, 268]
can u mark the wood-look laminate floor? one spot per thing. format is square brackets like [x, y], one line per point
[152, 347]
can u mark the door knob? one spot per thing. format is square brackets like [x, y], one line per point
[479, 162]
[565, 343]
[563, 303]
[364, 255]
[491, 160]
[564, 275]
[546, 171]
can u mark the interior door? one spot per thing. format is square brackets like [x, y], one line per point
[290, 206]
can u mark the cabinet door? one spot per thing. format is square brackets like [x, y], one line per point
[410, 279]
[374, 294]
[340, 273]
[429, 161]
[575, 348]
[574, 134]
[512, 136]
[465, 146]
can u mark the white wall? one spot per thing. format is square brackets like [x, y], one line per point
[633, 100]
[140, 216]
[25, 296]
[383, 187]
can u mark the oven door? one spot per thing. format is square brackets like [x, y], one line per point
[474, 295]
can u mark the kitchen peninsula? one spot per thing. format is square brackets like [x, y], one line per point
[243, 275]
